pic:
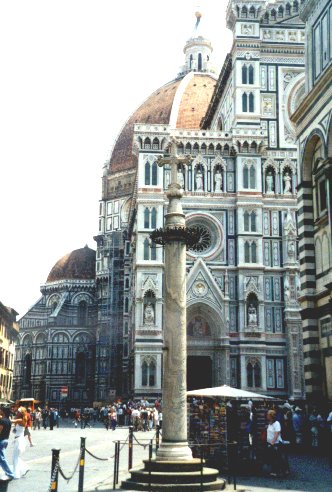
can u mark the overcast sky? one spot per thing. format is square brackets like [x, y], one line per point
[72, 71]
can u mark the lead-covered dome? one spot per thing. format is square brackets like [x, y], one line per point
[80, 264]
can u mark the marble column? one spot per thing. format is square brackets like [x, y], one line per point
[174, 445]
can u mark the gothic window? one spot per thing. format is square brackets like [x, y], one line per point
[153, 218]
[247, 252]
[148, 373]
[155, 143]
[253, 222]
[244, 103]
[191, 62]
[146, 218]
[203, 148]
[245, 177]
[146, 249]
[126, 305]
[82, 313]
[246, 221]
[147, 173]
[251, 103]
[252, 177]
[250, 252]
[27, 369]
[127, 283]
[153, 251]
[154, 173]
[147, 143]
[199, 61]
[188, 148]
[295, 6]
[288, 9]
[253, 253]
[280, 11]
[273, 14]
[244, 12]
[322, 196]
[196, 149]
[250, 75]
[254, 375]
[275, 373]
[252, 12]
[244, 74]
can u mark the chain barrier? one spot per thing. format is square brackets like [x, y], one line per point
[106, 459]
[54, 474]
[76, 466]
[143, 445]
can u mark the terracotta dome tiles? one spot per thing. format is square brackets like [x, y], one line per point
[80, 264]
[157, 110]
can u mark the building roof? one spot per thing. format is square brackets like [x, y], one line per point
[80, 264]
[185, 99]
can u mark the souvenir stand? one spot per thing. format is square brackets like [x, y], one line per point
[218, 417]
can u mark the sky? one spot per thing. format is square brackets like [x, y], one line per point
[72, 72]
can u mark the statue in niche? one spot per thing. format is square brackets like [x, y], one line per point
[167, 180]
[199, 180]
[149, 314]
[218, 181]
[252, 315]
[198, 327]
[180, 178]
[269, 182]
[291, 249]
[287, 182]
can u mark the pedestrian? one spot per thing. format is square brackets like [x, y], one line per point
[52, 418]
[45, 414]
[273, 438]
[297, 420]
[113, 419]
[160, 418]
[37, 419]
[20, 469]
[28, 426]
[316, 424]
[5, 426]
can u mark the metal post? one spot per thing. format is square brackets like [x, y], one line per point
[157, 437]
[82, 462]
[118, 462]
[55, 469]
[115, 464]
[130, 447]
[150, 457]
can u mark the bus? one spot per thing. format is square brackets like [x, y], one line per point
[27, 403]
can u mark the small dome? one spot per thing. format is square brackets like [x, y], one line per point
[80, 264]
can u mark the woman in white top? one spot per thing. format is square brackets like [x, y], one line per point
[20, 469]
[273, 438]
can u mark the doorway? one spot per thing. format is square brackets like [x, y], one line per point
[199, 372]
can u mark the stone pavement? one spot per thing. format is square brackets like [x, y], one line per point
[307, 473]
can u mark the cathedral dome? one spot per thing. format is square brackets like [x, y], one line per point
[80, 264]
[181, 103]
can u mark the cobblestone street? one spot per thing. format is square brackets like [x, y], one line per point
[307, 473]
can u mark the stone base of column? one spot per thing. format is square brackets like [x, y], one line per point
[177, 476]
[174, 451]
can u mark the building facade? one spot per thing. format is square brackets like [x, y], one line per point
[56, 354]
[313, 119]
[8, 336]
[244, 326]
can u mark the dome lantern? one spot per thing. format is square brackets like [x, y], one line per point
[197, 49]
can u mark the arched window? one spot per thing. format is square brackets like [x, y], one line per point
[273, 14]
[244, 102]
[147, 143]
[154, 173]
[252, 177]
[244, 74]
[188, 148]
[196, 149]
[152, 373]
[153, 218]
[244, 12]
[144, 374]
[190, 61]
[199, 61]
[246, 252]
[27, 369]
[146, 218]
[295, 6]
[252, 12]
[245, 177]
[126, 305]
[155, 143]
[153, 251]
[280, 11]
[253, 222]
[146, 249]
[127, 284]
[288, 9]
[246, 221]
[254, 378]
[251, 103]
[147, 173]
[250, 75]
[253, 253]
[82, 313]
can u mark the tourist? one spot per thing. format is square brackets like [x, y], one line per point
[28, 426]
[37, 419]
[316, 424]
[273, 438]
[20, 468]
[5, 426]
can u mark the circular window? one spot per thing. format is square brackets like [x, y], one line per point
[211, 235]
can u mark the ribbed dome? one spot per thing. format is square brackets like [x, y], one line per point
[181, 103]
[80, 264]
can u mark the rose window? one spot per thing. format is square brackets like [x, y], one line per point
[204, 242]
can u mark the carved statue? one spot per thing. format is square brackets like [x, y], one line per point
[291, 249]
[149, 314]
[287, 181]
[218, 181]
[269, 182]
[199, 180]
[252, 315]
